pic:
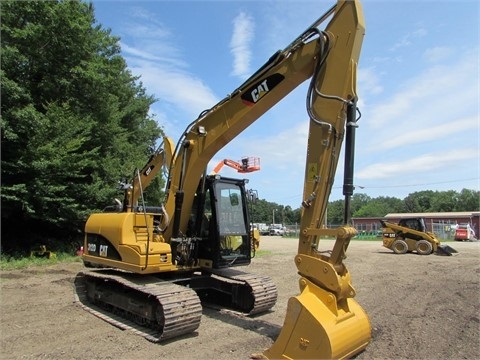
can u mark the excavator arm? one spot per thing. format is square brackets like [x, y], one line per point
[324, 321]
[162, 157]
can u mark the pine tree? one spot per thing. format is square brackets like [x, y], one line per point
[74, 119]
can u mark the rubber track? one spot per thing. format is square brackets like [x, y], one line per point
[263, 288]
[181, 305]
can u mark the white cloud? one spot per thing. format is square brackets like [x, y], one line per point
[149, 39]
[243, 33]
[414, 135]
[437, 54]
[176, 88]
[151, 53]
[285, 149]
[368, 80]
[417, 165]
[425, 132]
[134, 54]
[437, 94]
[408, 39]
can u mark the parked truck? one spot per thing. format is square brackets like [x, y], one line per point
[277, 230]
[464, 232]
[263, 228]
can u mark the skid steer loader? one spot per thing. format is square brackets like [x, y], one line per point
[410, 235]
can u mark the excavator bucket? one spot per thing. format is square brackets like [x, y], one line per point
[445, 250]
[316, 326]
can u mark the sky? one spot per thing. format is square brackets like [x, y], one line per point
[418, 87]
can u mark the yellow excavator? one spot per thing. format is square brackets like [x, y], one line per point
[151, 268]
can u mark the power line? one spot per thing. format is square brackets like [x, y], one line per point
[367, 187]
[412, 185]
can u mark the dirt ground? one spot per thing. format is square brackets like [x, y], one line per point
[420, 307]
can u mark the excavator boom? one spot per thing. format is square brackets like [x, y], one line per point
[305, 58]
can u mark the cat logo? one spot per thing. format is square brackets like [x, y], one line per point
[256, 92]
[103, 250]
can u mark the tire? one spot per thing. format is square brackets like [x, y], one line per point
[399, 246]
[424, 247]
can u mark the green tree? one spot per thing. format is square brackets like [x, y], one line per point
[379, 207]
[335, 212]
[259, 211]
[74, 119]
[358, 201]
[420, 201]
[444, 201]
[468, 200]
[291, 216]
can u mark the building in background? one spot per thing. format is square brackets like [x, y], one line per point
[443, 224]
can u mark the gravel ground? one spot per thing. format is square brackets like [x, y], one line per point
[420, 307]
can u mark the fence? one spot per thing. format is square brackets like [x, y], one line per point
[294, 231]
[444, 230]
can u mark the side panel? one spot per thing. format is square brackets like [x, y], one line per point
[126, 241]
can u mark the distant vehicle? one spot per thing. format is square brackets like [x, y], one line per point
[277, 230]
[464, 232]
[263, 228]
[411, 234]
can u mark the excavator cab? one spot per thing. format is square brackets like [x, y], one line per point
[222, 223]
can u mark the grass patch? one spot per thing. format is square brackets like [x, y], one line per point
[8, 262]
[367, 238]
[357, 237]
[260, 253]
